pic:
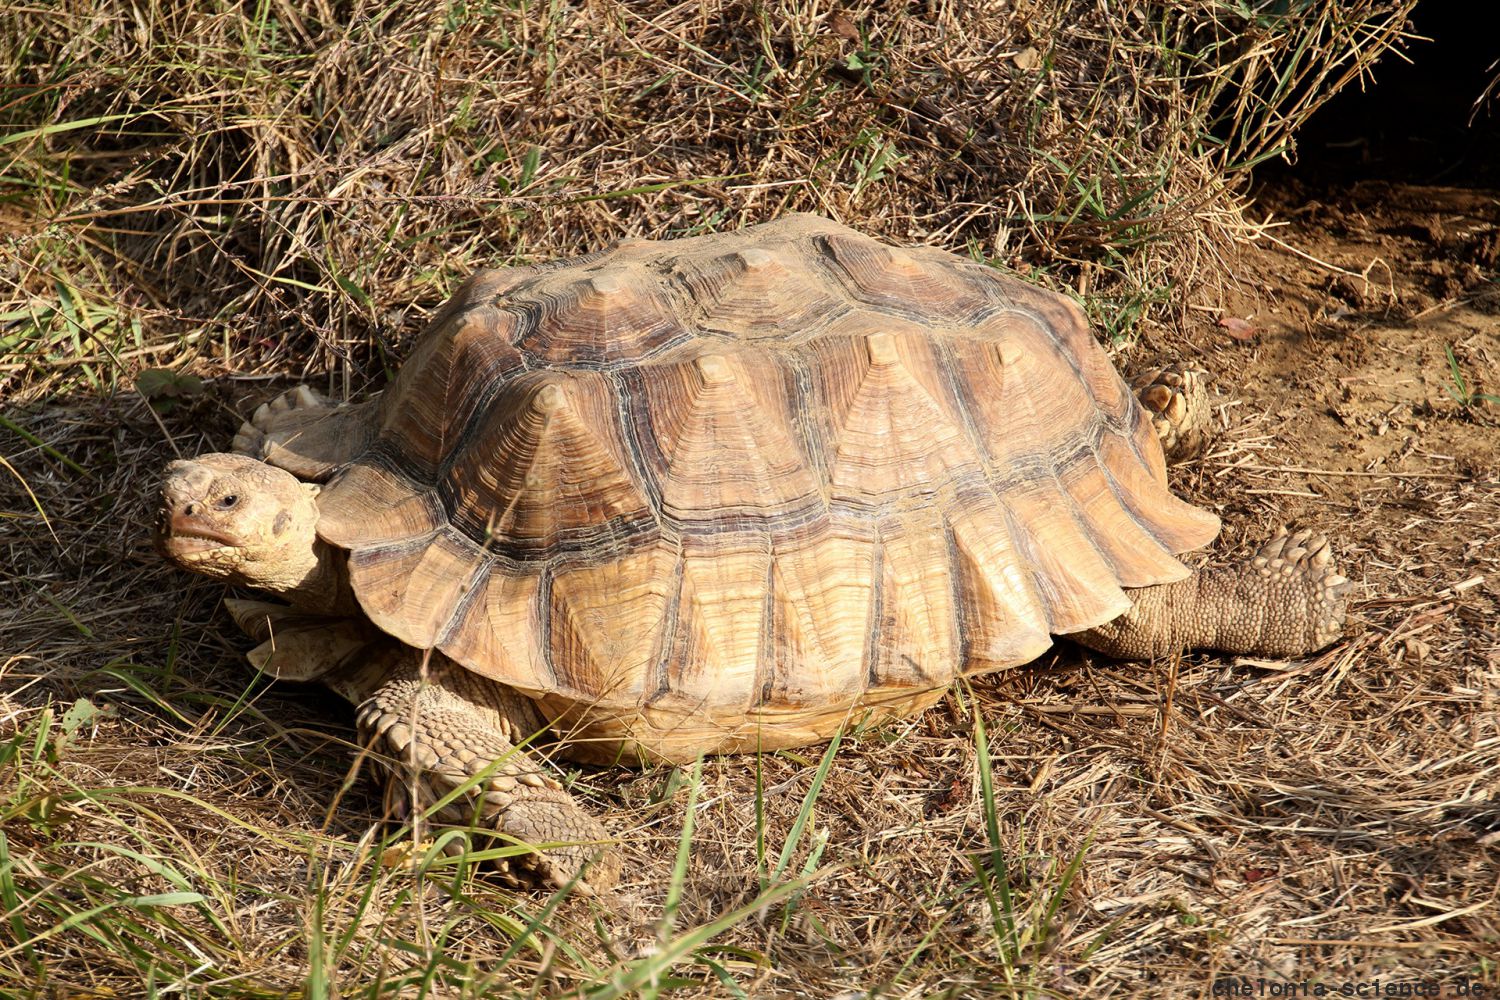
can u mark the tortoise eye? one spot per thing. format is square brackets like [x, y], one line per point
[226, 502]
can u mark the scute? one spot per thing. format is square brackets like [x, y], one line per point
[758, 293]
[562, 486]
[730, 490]
[895, 433]
[447, 382]
[592, 318]
[715, 439]
[905, 283]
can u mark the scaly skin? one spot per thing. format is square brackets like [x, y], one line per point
[1286, 601]
[436, 734]
[1176, 399]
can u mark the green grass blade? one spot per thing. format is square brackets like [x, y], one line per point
[794, 836]
[633, 976]
[56, 127]
[1005, 914]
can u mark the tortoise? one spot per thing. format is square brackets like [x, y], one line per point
[715, 494]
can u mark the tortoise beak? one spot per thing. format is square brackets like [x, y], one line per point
[181, 536]
[188, 531]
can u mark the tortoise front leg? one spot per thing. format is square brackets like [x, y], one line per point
[1287, 600]
[307, 435]
[436, 733]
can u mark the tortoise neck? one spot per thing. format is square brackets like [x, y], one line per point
[325, 587]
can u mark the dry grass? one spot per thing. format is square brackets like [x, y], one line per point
[285, 191]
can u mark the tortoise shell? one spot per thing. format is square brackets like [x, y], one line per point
[720, 492]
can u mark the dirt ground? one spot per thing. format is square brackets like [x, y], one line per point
[1330, 821]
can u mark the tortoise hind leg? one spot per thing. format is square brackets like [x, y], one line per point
[1287, 600]
[437, 734]
[306, 434]
[1176, 399]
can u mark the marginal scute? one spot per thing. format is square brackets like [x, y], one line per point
[413, 590]
[822, 595]
[915, 637]
[1077, 585]
[1177, 526]
[1146, 440]
[715, 650]
[606, 623]
[1138, 559]
[1001, 616]
[371, 505]
[498, 635]
[734, 490]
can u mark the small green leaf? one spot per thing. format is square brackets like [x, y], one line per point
[529, 164]
[81, 714]
[165, 899]
[358, 293]
[163, 383]
[153, 382]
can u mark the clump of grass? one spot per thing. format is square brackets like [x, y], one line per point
[1458, 387]
[106, 888]
[289, 189]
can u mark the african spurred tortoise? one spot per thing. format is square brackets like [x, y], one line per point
[708, 495]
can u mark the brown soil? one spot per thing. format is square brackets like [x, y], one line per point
[1341, 413]
[1359, 318]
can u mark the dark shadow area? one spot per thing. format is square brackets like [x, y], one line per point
[1390, 190]
[1412, 124]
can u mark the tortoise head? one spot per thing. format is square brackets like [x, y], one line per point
[239, 519]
